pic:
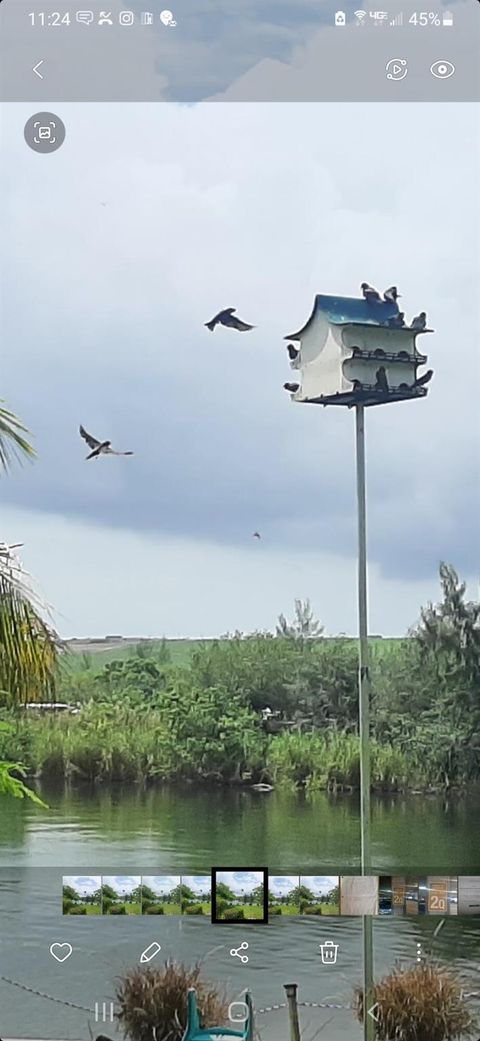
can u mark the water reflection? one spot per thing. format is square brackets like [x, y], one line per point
[190, 829]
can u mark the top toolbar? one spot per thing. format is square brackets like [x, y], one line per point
[193, 52]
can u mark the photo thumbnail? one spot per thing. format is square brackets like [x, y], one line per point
[240, 895]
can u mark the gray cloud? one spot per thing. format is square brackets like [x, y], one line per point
[259, 208]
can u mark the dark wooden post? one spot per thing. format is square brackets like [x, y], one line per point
[291, 992]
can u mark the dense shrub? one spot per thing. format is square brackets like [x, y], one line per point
[194, 909]
[234, 914]
[153, 1002]
[425, 1003]
[154, 910]
[117, 909]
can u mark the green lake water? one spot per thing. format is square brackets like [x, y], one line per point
[194, 828]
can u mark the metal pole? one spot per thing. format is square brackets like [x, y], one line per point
[291, 992]
[364, 718]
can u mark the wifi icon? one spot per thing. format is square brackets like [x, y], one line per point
[360, 15]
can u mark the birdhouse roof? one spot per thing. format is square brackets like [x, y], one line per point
[343, 310]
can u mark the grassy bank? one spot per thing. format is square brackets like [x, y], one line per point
[94, 747]
[198, 715]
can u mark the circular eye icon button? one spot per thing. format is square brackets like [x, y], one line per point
[44, 132]
[442, 70]
[396, 69]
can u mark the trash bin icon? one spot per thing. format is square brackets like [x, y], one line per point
[329, 951]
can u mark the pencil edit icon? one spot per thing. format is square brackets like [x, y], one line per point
[150, 952]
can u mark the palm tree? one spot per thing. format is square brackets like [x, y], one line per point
[29, 646]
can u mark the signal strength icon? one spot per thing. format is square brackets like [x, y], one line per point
[398, 20]
[360, 16]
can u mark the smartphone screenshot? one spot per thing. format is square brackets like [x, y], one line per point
[240, 482]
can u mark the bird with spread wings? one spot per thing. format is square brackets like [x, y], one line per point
[228, 318]
[98, 447]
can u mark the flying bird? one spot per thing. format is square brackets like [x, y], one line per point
[292, 387]
[422, 380]
[391, 295]
[381, 381]
[398, 321]
[293, 352]
[228, 318]
[256, 535]
[420, 321]
[370, 293]
[98, 447]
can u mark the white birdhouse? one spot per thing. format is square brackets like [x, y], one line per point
[356, 352]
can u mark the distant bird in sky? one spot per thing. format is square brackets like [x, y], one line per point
[292, 387]
[293, 352]
[381, 381]
[420, 321]
[398, 321]
[256, 535]
[391, 295]
[98, 447]
[370, 293]
[229, 319]
[422, 380]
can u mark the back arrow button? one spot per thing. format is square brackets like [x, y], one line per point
[36, 68]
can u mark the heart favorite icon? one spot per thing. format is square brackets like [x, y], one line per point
[61, 951]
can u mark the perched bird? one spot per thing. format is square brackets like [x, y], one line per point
[391, 295]
[292, 387]
[420, 321]
[422, 380]
[381, 381]
[293, 352]
[370, 293]
[256, 535]
[398, 321]
[227, 317]
[98, 447]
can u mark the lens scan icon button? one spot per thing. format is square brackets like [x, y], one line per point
[44, 132]
[442, 70]
[396, 68]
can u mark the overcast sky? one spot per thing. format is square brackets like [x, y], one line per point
[258, 207]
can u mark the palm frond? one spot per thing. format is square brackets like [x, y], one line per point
[29, 645]
[14, 447]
